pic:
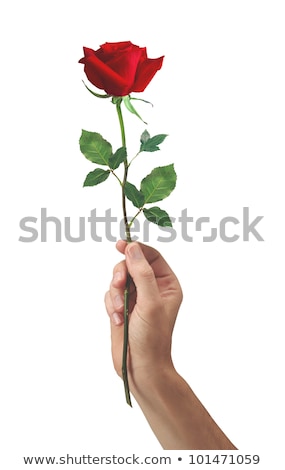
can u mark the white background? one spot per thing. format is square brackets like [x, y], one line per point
[220, 97]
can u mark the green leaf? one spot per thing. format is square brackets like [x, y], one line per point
[134, 195]
[129, 106]
[96, 94]
[159, 183]
[158, 216]
[119, 156]
[145, 137]
[140, 99]
[96, 177]
[117, 100]
[151, 144]
[95, 148]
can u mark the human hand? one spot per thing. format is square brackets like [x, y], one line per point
[154, 300]
[175, 414]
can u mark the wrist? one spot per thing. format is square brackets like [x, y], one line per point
[177, 417]
[147, 385]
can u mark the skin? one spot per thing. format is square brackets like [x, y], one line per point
[175, 414]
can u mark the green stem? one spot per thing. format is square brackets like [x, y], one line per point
[135, 216]
[116, 176]
[123, 135]
[127, 286]
[134, 158]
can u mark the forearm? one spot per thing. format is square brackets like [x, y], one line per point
[175, 414]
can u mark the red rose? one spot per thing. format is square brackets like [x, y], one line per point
[120, 68]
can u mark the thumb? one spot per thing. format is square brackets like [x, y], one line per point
[142, 274]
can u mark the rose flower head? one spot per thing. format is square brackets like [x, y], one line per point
[120, 68]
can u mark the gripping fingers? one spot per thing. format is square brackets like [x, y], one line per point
[117, 286]
[116, 317]
[114, 298]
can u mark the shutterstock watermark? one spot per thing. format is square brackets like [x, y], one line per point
[98, 227]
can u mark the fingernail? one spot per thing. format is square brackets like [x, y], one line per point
[135, 252]
[117, 277]
[117, 318]
[118, 301]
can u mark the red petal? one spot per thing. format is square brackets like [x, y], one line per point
[126, 65]
[113, 47]
[145, 72]
[102, 76]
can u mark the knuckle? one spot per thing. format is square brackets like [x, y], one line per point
[119, 267]
[147, 272]
[116, 268]
[180, 295]
[108, 303]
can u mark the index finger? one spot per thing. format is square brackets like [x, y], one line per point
[160, 267]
